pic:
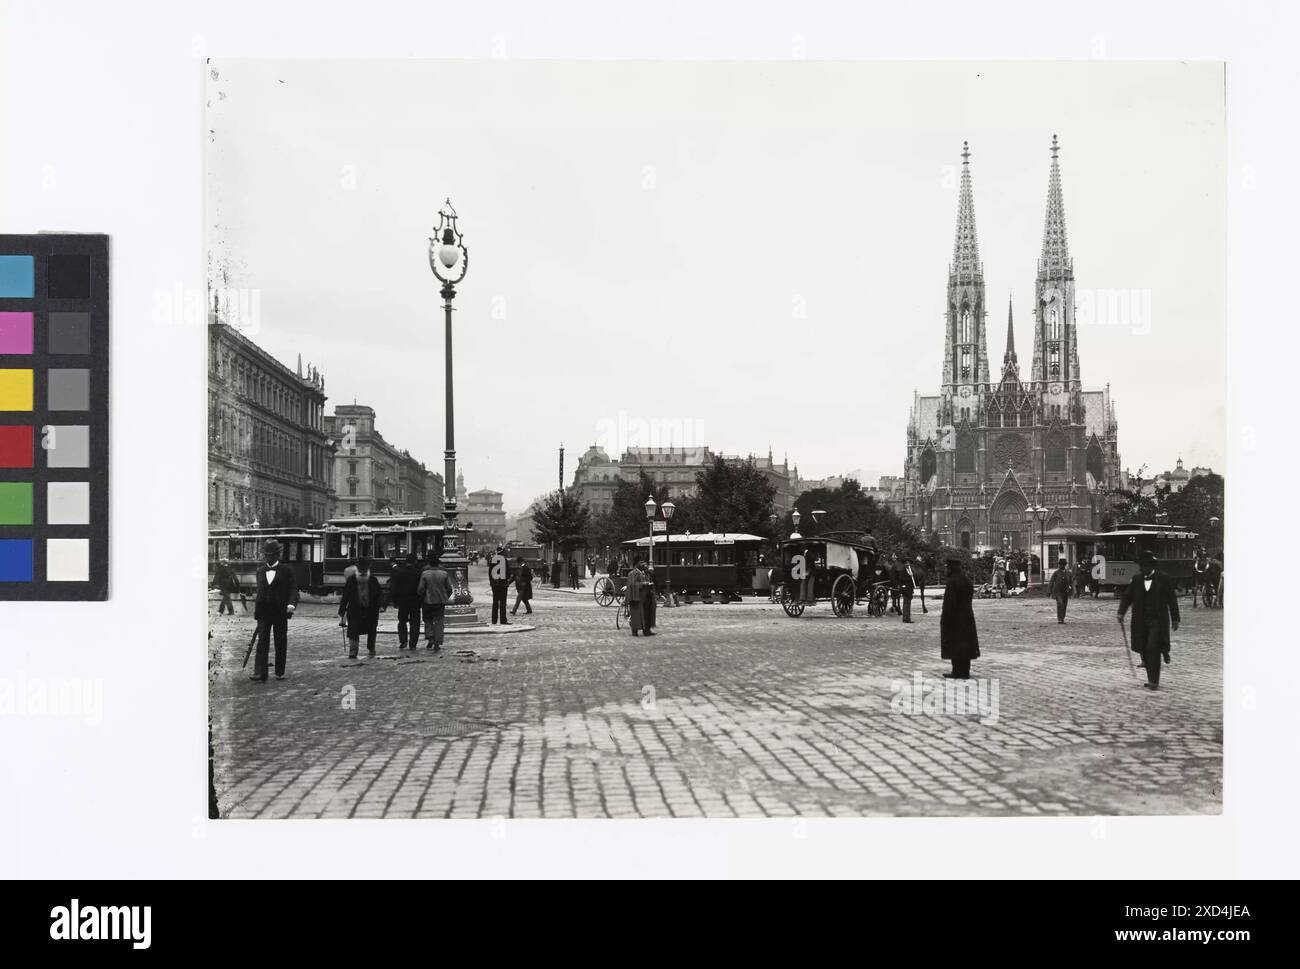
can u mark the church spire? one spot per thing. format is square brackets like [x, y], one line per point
[965, 249]
[1055, 259]
[1009, 361]
[965, 352]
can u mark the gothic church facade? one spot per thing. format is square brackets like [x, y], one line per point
[991, 444]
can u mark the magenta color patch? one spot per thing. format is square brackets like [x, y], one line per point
[16, 333]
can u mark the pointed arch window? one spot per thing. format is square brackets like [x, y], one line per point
[1054, 360]
[1054, 451]
[965, 363]
[1054, 323]
[965, 325]
[965, 452]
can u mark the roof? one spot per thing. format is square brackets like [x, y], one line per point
[1069, 531]
[704, 538]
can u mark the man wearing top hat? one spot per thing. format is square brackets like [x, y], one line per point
[277, 597]
[1155, 609]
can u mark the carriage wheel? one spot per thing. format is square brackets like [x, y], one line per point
[603, 591]
[843, 595]
[879, 600]
[793, 607]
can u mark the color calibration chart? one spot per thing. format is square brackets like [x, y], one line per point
[54, 417]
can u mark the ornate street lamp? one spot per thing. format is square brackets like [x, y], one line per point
[1038, 512]
[668, 508]
[795, 516]
[650, 507]
[449, 260]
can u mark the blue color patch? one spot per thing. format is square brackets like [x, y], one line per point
[15, 560]
[17, 276]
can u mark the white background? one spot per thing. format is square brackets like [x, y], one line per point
[102, 129]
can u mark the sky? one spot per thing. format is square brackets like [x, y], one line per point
[738, 254]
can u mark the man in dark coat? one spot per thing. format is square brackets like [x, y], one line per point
[434, 592]
[1155, 609]
[640, 597]
[573, 573]
[277, 598]
[1059, 589]
[499, 577]
[905, 582]
[360, 607]
[958, 640]
[523, 585]
[401, 593]
[557, 569]
[226, 582]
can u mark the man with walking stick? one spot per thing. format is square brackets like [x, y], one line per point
[277, 598]
[1155, 610]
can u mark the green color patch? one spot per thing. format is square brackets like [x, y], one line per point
[15, 503]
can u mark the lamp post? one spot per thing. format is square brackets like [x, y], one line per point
[668, 508]
[650, 528]
[449, 260]
[1038, 512]
[795, 516]
[1214, 532]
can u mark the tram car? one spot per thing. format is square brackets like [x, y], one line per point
[243, 547]
[841, 565]
[533, 555]
[382, 539]
[1115, 555]
[711, 567]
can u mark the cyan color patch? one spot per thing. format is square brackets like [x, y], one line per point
[17, 277]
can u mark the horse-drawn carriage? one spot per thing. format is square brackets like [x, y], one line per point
[838, 567]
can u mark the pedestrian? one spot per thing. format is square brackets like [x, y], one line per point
[1059, 589]
[499, 579]
[1155, 610]
[1080, 579]
[544, 572]
[523, 586]
[434, 592]
[573, 573]
[226, 582]
[1012, 579]
[958, 640]
[1214, 578]
[651, 599]
[895, 584]
[999, 577]
[401, 593]
[906, 588]
[1155, 604]
[556, 569]
[359, 608]
[919, 573]
[638, 589]
[277, 598]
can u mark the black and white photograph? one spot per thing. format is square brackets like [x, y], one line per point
[801, 440]
[690, 441]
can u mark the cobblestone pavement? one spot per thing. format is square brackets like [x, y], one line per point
[730, 711]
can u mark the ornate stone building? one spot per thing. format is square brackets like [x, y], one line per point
[268, 454]
[992, 443]
[372, 476]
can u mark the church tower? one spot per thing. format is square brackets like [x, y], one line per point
[1056, 354]
[966, 355]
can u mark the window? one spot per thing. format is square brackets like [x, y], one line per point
[352, 488]
[965, 453]
[965, 363]
[1055, 451]
[1054, 360]
[965, 325]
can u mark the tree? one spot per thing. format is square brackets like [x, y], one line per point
[626, 519]
[1200, 500]
[562, 521]
[729, 498]
[849, 510]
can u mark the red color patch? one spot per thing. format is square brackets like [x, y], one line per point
[15, 446]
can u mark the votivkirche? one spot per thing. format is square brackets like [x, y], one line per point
[993, 443]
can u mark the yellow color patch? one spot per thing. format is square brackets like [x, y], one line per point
[15, 390]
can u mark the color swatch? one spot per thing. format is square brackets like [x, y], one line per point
[54, 417]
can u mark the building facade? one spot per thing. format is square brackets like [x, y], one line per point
[674, 467]
[268, 450]
[993, 443]
[779, 476]
[372, 476]
[485, 509]
[596, 479]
